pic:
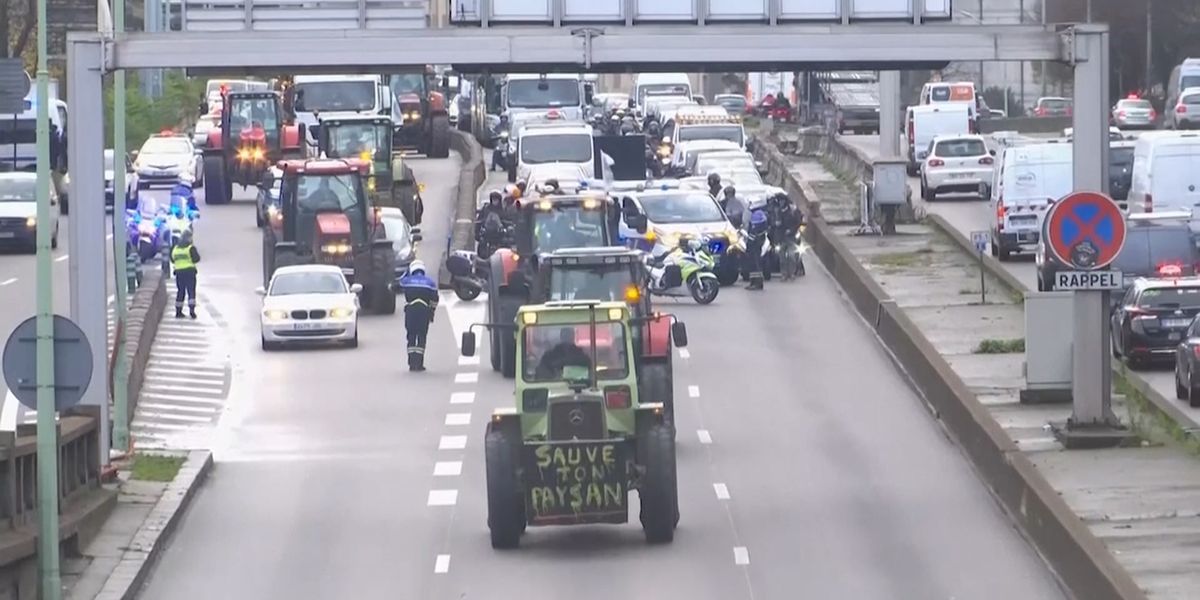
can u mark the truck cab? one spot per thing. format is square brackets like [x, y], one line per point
[563, 143]
[312, 95]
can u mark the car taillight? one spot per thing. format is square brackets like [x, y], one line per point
[1148, 203]
[617, 397]
[1153, 114]
[1196, 351]
[1041, 111]
[1120, 114]
[937, 162]
[1182, 109]
[1000, 210]
[987, 160]
[911, 134]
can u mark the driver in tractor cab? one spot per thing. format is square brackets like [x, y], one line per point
[564, 354]
[559, 232]
[322, 198]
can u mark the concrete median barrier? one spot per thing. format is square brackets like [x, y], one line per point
[473, 175]
[1025, 125]
[1080, 559]
[145, 311]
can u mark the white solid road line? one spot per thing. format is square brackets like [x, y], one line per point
[467, 361]
[62, 258]
[449, 468]
[705, 437]
[442, 498]
[722, 491]
[741, 556]
[683, 353]
[9, 281]
[458, 419]
[452, 442]
[462, 397]
[466, 378]
[442, 564]
[694, 391]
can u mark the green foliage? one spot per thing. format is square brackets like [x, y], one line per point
[177, 108]
[1014, 346]
[156, 467]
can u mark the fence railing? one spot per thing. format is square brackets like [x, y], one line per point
[78, 465]
[292, 15]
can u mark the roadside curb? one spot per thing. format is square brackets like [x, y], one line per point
[1160, 405]
[152, 537]
[473, 175]
[145, 311]
[1080, 560]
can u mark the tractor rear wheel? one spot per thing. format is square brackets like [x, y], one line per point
[659, 492]
[506, 312]
[439, 137]
[506, 503]
[219, 189]
[385, 299]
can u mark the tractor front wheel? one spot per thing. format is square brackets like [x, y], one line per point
[439, 137]
[659, 492]
[506, 504]
[219, 189]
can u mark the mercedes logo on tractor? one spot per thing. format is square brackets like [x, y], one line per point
[575, 417]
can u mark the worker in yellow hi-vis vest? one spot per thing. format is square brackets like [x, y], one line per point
[184, 257]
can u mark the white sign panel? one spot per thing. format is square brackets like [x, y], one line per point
[1088, 280]
[980, 240]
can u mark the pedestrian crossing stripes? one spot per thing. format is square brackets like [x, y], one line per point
[185, 384]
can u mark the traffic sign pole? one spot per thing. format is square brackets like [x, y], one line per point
[47, 425]
[120, 379]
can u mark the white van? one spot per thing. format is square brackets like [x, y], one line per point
[562, 143]
[1166, 173]
[1029, 179]
[356, 94]
[674, 84]
[923, 123]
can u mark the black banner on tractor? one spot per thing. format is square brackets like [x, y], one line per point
[576, 482]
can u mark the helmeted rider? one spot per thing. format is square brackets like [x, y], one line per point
[735, 208]
[714, 185]
[420, 305]
[489, 224]
[785, 219]
[755, 225]
[182, 194]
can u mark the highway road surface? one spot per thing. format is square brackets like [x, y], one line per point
[807, 466]
[969, 213]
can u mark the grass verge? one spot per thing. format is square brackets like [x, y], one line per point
[1149, 421]
[156, 467]
[991, 346]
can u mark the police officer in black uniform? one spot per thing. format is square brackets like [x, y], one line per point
[420, 304]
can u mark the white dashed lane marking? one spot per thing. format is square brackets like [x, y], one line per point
[9, 281]
[466, 378]
[442, 498]
[452, 442]
[467, 361]
[442, 564]
[462, 398]
[451, 468]
[722, 491]
[694, 391]
[704, 435]
[741, 556]
[458, 419]
[683, 353]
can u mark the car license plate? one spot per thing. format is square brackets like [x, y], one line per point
[7, 234]
[958, 175]
[306, 326]
[1176, 323]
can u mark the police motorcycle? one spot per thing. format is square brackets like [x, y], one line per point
[783, 253]
[148, 232]
[687, 265]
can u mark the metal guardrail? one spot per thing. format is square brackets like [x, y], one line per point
[292, 15]
[78, 466]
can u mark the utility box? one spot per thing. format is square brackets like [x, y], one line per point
[1049, 323]
[890, 185]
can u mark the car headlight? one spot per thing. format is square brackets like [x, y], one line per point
[31, 222]
[341, 313]
[274, 315]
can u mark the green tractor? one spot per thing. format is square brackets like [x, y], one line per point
[579, 438]
[390, 181]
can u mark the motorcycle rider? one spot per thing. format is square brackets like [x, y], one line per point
[420, 305]
[183, 195]
[714, 185]
[501, 145]
[489, 224]
[735, 208]
[785, 219]
[756, 222]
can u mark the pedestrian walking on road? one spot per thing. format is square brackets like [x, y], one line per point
[184, 257]
[420, 304]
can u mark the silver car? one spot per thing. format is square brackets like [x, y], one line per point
[1132, 113]
[1185, 114]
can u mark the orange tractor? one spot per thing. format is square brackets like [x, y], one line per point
[421, 121]
[252, 135]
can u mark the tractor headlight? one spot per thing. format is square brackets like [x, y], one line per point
[336, 248]
[31, 222]
[341, 313]
[243, 154]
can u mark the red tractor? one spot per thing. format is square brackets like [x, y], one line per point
[251, 136]
[422, 123]
[326, 217]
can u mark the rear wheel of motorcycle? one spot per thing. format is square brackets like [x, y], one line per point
[704, 289]
[465, 292]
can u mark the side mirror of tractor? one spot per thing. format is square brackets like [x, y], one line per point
[679, 334]
[468, 343]
[416, 237]
[637, 222]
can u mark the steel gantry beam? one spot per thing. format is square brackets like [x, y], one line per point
[617, 48]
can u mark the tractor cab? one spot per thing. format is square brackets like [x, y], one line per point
[252, 125]
[390, 181]
[553, 222]
[601, 274]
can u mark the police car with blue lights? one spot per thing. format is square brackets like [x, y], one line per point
[673, 214]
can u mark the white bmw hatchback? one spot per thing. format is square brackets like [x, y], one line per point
[309, 303]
